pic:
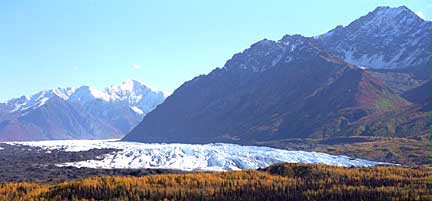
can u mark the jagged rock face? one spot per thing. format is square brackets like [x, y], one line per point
[81, 113]
[386, 38]
[273, 90]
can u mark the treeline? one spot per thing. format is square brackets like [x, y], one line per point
[279, 182]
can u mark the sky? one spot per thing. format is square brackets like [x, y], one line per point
[163, 43]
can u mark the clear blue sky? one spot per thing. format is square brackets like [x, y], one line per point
[52, 43]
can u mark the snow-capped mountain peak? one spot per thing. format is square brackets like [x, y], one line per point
[85, 94]
[138, 96]
[387, 19]
[36, 100]
[388, 37]
[129, 87]
[84, 112]
[64, 93]
[125, 89]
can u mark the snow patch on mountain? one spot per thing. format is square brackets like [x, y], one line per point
[211, 157]
[137, 110]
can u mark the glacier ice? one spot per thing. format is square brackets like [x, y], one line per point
[188, 157]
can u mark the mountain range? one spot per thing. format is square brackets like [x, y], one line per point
[368, 78]
[354, 80]
[78, 113]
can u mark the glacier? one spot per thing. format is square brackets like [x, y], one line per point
[190, 157]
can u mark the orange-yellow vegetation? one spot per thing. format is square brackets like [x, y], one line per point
[277, 182]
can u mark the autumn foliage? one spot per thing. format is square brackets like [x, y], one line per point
[278, 182]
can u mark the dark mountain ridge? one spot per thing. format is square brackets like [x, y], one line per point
[347, 82]
[273, 90]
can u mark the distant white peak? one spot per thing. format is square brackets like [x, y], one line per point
[40, 97]
[19, 100]
[36, 100]
[99, 94]
[64, 93]
[147, 86]
[17, 103]
[125, 87]
[166, 93]
[138, 95]
[130, 87]
[86, 93]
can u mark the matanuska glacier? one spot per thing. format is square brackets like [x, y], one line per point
[189, 157]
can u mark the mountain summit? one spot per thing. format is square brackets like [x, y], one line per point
[386, 38]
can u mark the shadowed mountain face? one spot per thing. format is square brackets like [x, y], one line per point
[82, 113]
[421, 95]
[302, 87]
[273, 90]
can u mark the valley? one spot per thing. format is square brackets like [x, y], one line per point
[340, 115]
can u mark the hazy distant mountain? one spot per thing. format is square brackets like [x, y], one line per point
[306, 87]
[78, 113]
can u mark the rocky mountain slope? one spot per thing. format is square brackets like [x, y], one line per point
[78, 113]
[273, 90]
[386, 38]
[394, 43]
[301, 87]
